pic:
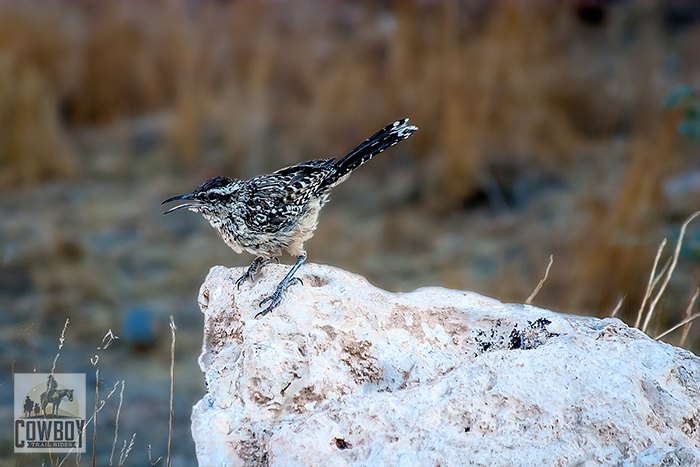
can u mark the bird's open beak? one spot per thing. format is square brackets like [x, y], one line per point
[187, 197]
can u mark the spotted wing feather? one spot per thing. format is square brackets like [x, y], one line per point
[277, 199]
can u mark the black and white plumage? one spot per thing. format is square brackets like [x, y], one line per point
[278, 212]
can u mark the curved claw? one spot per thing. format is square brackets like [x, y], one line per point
[261, 313]
[276, 297]
[254, 268]
[295, 280]
[269, 308]
[288, 280]
[241, 280]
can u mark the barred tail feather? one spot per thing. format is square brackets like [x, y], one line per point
[378, 142]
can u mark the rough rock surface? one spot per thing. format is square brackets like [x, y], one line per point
[345, 374]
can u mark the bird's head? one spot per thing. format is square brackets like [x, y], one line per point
[212, 197]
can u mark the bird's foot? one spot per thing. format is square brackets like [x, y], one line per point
[275, 298]
[254, 268]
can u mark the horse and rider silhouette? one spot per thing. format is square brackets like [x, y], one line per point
[52, 395]
[28, 407]
[31, 407]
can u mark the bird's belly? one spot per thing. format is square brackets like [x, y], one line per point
[265, 244]
[290, 236]
[303, 229]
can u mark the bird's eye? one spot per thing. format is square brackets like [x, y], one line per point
[213, 196]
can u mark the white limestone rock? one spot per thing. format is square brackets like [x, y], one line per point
[345, 374]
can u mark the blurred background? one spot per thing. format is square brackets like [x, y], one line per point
[564, 128]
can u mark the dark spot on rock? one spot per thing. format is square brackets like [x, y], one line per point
[514, 342]
[330, 330]
[285, 388]
[503, 337]
[690, 426]
[304, 397]
[534, 335]
[342, 444]
[467, 429]
[486, 341]
[315, 281]
[362, 362]
[406, 375]
[540, 323]
[484, 346]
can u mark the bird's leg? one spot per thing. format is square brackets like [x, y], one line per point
[254, 268]
[288, 280]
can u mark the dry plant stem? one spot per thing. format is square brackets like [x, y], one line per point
[617, 307]
[150, 458]
[172, 386]
[685, 321]
[676, 253]
[126, 450]
[61, 340]
[686, 330]
[78, 454]
[539, 286]
[667, 264]
[650, 285]
[94, 420]
[116, 423]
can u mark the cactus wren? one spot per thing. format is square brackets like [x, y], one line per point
[279, 211]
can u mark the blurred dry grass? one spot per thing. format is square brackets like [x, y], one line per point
[308, 74]
[497, 88]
